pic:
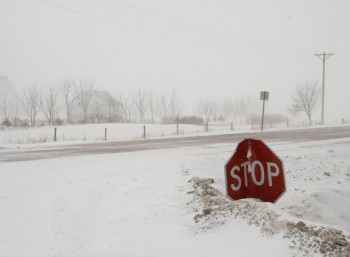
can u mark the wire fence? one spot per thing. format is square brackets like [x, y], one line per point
[122, 131]
[94, 132]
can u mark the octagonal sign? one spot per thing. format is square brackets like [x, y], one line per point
[254, 171]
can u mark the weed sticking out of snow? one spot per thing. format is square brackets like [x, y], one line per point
[212, 209]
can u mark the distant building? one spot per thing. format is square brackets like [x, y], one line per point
[102, 108]
[6, 89]
[9, 102]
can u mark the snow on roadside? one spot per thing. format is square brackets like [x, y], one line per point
[322, 227]
[213, 210]
[82, 133]
[42, 137]
[321, 171]
[149, 203]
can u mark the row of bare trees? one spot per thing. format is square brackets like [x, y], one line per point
[144, 105]
[246, 110]
[243, 110]
[48, 103]
[76, 101]
[53, 100]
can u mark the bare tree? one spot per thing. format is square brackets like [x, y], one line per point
[198, 108]
[16, 110]
[214, 110]
[126, 105]
[67, 91]
[174, 104]
[48, 103]
[226, 109]
[84, 91]
[140, 102]
[241, 109]
[113, 110]
[31, 100]
[163, 109]
[252, 107]
[151, 105]
[294, 110]
[207, 109]
[306, 98]
[5, 107]
[234, 113]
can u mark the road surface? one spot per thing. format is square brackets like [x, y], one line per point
[298, 135]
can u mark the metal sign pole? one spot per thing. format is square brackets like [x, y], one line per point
[262, 118]
[264, 95]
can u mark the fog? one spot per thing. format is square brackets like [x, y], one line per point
[209, 50]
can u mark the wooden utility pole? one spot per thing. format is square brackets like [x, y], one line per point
[323, 58]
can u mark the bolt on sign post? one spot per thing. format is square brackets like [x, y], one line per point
[264, 96]
[254, 171]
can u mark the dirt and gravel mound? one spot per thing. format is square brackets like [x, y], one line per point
[213, 209]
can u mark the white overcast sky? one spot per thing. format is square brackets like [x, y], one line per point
[206, 49]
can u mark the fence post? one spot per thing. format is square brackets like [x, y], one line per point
[55, 134]
[177, 128]
[206, 127]
[231, 125]
[144, 132]
[105, 134]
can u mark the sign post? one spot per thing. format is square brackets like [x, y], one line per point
[254, 171]
[264, 96]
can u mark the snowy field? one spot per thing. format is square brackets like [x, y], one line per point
[96, 132]
[83, 133]
[172, 202]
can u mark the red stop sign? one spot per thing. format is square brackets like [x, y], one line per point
[254, 171]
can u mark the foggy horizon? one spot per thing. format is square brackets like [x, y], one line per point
[213, 50]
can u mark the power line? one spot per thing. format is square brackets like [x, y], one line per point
[143, 19]
[127, 25]
[227, 40]
[160, 33]
[323, 58]
[209, 30]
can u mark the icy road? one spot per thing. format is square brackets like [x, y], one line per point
[298, 135]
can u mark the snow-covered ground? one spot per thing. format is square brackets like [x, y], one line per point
[96, 132]
[87, 133]
[13, 138]
[172, 202]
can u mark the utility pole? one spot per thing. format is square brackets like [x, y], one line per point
[323, 58]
